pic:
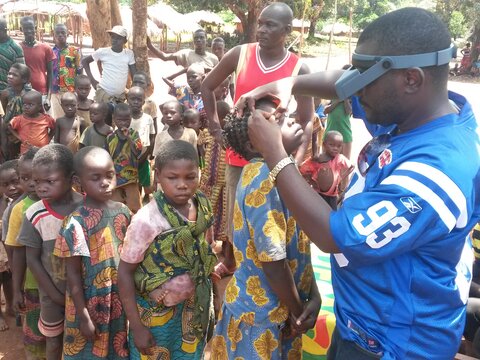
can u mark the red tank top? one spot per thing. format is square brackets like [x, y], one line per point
[252, 73]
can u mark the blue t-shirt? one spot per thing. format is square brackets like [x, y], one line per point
[402, 280]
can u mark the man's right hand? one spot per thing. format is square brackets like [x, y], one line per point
[280, 89]
[143, 339]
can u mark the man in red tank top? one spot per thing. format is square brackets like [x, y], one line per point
[254, 65]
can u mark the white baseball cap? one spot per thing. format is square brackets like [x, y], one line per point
[119, 30]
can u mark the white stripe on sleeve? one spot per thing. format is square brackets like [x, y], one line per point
[445, 183]
[426, 194]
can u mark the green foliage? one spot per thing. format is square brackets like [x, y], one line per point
[186, 6]
[227, 16]
[456, 24]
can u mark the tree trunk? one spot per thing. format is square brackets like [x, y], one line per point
[249, 17]
[475, 44]
[251, 28]
[139, 37]
[102, 16]
[313, 15]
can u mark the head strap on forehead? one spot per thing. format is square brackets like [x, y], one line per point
[353, 80]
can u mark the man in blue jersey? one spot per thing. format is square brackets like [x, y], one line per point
[401, 263]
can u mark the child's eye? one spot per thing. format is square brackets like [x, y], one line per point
[51, 182]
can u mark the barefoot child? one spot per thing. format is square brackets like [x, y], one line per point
[33, 127]
[95, 324]
[328, 172]
[125, 148]
[143, 124]
[26, 299]
[9, 183]
[273, 286]
[172, 117]
[165, 244]
[82, 89]
[69, 127]
[52, 173]
[96, 134]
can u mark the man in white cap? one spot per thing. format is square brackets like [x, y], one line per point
[116, 62]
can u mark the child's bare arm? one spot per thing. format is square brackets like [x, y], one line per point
[280, 279]
[159, 53]
[18, 266]
[4, 99]
[44, 281]
[142, 336]
[56, 136]
[86, 65]
[74, 280]
[14, 132]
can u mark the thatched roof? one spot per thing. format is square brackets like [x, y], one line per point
[126, 14]
[338, 28]
[206, 17]
[164, 15]
[50, 8]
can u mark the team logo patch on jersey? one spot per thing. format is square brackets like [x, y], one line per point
[384, 158]
[410, 204]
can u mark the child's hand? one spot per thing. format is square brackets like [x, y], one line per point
[289, 331]
[307, 318]
[88, 328]
[46, 104]
[143, 339]
[18, 304]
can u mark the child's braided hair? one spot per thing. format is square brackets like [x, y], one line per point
[235, 133]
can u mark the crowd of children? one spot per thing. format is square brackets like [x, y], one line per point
[94, 270]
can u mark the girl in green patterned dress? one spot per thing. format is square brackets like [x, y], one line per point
[90, 240]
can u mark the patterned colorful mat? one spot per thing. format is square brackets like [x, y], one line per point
[317, 340]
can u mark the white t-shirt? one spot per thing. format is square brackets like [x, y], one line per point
[115, 69]
[145, 127]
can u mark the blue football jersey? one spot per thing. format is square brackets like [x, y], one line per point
[402, 280]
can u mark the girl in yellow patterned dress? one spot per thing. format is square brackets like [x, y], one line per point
[272, 297]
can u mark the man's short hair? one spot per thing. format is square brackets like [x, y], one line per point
[26, 19]
[409, 31]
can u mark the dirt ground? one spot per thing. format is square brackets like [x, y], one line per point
[11, 347]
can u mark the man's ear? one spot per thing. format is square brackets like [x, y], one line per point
[288, 28]
[414, 79]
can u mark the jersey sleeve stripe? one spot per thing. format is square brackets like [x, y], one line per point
[445, 183]
[426, 194]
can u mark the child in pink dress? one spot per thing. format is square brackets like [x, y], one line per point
[328, 172]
